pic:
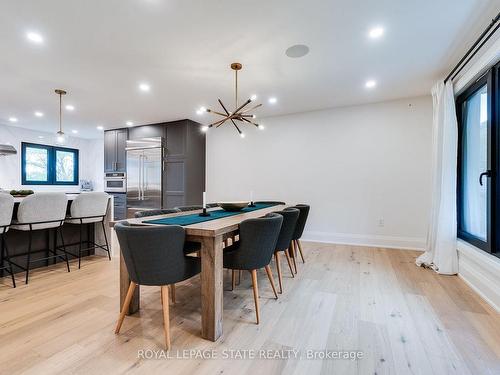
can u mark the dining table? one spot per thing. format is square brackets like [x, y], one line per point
[212, 234]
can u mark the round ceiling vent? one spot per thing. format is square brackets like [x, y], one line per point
[297, 50]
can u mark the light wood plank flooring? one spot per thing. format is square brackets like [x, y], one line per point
[404, 319]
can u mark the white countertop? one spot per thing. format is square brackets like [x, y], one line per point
[70, 196]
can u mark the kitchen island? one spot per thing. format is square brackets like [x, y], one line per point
[17, 241]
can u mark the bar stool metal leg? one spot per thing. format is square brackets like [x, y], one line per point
[63, 248]
[6, 258]
[106, 239]
[29, 256]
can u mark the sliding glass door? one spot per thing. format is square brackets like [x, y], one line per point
[478, 170]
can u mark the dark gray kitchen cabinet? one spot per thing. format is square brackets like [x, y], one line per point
[184, 167]
[115, 157]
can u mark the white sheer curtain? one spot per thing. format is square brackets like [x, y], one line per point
[441, 249]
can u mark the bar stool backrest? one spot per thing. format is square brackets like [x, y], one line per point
[91, 205]
[49, 208]
[6, 209]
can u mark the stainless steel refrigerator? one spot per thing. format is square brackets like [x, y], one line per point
[144, 173]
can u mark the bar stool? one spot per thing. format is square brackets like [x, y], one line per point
[42, 211]
[89, 209]
[154, 256]
[6, 209]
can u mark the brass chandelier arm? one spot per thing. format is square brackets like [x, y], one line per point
[224, 108]
[218, 123]
[251, 109]
[243, 106]
[250, 122]
[217, 113]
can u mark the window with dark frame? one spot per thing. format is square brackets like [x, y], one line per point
[48, 165]
[478, 177]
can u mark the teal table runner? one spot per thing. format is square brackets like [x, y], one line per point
[196, 218]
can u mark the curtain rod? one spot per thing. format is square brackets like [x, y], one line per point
[478, 43]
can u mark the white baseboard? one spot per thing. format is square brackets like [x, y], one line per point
[394, 242]
[481, 271]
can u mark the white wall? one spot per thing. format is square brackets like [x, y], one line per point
[91, 157]
[356, 166]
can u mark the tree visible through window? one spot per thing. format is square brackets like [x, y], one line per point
[49, 165]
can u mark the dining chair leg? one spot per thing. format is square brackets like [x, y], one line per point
[278, 267]
[294, 256]
[172, 292]
[271, 280]
[299, 245]
[125, 307]
[166, 315]
[239, 277]
[255, 293]
[233, 279]
[289, 261]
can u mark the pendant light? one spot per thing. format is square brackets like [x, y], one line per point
[60, 133]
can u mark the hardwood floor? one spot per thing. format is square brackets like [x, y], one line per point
[405, 320]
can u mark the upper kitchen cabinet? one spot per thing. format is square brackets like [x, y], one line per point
[115, 157]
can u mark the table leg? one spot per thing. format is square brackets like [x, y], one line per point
[124, 285]
[211, 287]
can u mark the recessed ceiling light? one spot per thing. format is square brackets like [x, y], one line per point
[41, 137]
[273, 100]
[34, 37]
[204, 128]
[74, 131]
[38, 114]
[129, 123]
[297, 51]
[69, 107]
[99, 127]
[144, 87]
[253, 97]
[370, 84]
[376, 32]
[13, 119]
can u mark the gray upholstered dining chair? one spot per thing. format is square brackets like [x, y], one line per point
[6, 210]
[290, 217]
[190, 247]
[254, 251]
[299, 230]
[37, 212]
[163, 211]
[154, 256]
[269, 202]
[88, 209]
[189, 208]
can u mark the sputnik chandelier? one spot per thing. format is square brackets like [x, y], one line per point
[241, 113]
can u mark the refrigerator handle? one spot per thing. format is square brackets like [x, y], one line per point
[142, 177]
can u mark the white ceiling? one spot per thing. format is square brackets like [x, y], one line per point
[99, 51]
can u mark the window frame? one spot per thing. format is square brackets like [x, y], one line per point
[51, 164]
[491, 80]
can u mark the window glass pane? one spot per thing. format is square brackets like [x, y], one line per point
[36, 164]
[475, 162]
[65, 166]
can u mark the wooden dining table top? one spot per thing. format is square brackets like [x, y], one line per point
[210, 228]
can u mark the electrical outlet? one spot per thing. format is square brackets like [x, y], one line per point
[381, 222]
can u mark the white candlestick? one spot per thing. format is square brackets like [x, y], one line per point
[204, 200]
[251, 195]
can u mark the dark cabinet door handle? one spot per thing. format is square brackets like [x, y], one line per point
[487, 174]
